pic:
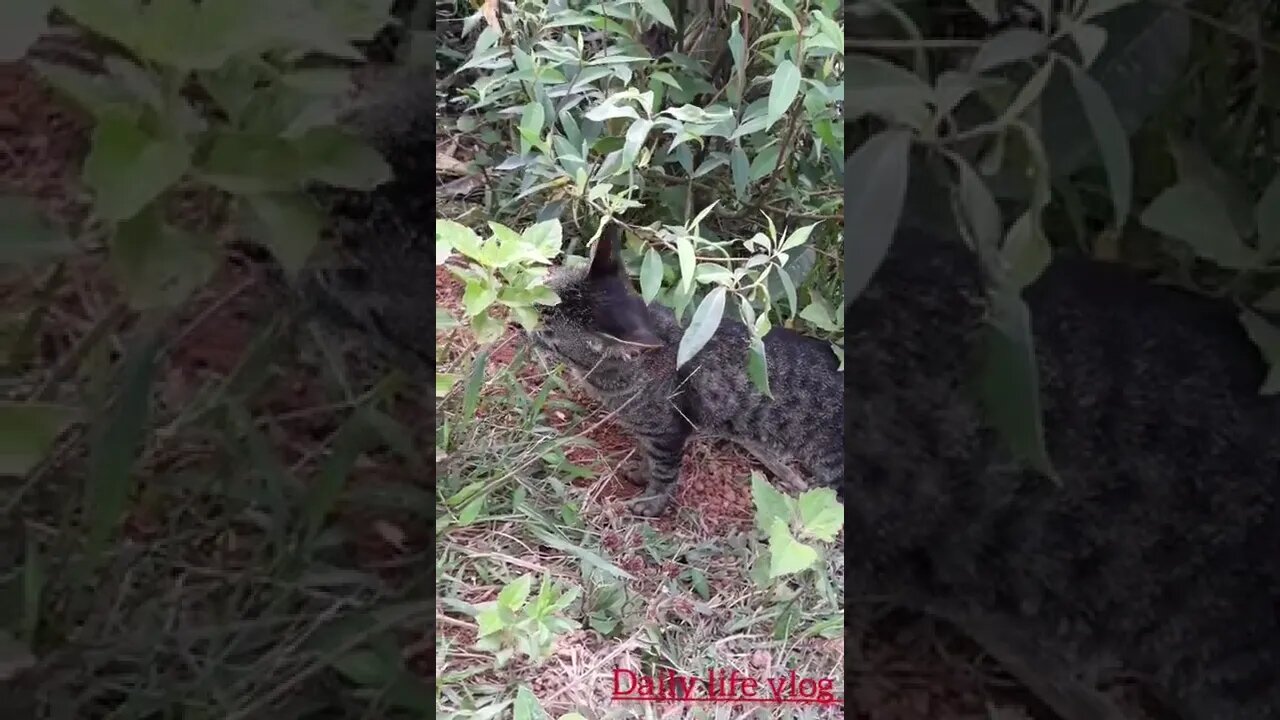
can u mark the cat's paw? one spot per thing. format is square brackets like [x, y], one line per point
[633, 473]
[650, 505]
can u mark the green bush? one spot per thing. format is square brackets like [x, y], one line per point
[726, 174]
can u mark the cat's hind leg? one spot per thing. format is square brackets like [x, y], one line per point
[786, 476]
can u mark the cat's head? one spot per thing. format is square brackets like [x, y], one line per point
[599, 314]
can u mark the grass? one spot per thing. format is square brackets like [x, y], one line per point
[216, 542]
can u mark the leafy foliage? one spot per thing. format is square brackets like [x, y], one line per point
[701, 156]
[223, 95]
[815, 515]
[1058, 125]
[513, 623]
[507, 268]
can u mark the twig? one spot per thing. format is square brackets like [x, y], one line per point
[71, 360]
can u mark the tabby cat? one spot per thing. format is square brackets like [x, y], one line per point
[624, 354]
[1159, 552]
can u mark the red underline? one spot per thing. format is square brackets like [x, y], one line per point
[731, 699]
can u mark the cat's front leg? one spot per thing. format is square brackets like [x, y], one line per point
[661, 456]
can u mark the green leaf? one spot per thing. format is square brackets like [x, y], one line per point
[798, 237]
[514, 595]
[741, 170]
[1194, 164]
[702, 215]
[199, 36]
[1009, 46]
[159, 265]
[650, 275]
[532, 120]
[342, 159]
[1267, 337]
[352, 439]
[479, 295]
[881, 88]
[545, 238]
[783, 89]
[471, 395]
[1029, 93]
[289, 225]
[758, 365]
[1112, 140]
[1026, 251]
[126, 168]
[821, 514]
[786, 554]
[142, 85]
[765, 162]
[636, 135]
[819, 315]
[98, 94]
[526, 706]
[713, 274]
[246, 163]
[365, 667]
[22, 22]
[1010, 380]
[705, 321]
[609, 110]
[875, 188]
[736, 45]
[445, 383]
[983, 215]
[27, 433]
[684, 252]
[26, 237]
[1193, 213]
[1268, 219]
[658, 9]
[1090, 40]
[459, 237]
[770, 504]
[116, 439]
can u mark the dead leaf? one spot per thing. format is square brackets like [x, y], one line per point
[461, 187]
[450, 165]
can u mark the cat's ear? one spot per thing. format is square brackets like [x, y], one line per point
[607, 260]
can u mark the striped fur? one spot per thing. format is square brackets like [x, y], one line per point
[624, 354]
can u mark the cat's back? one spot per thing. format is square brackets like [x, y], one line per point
[803, 413]
[1158, 547]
